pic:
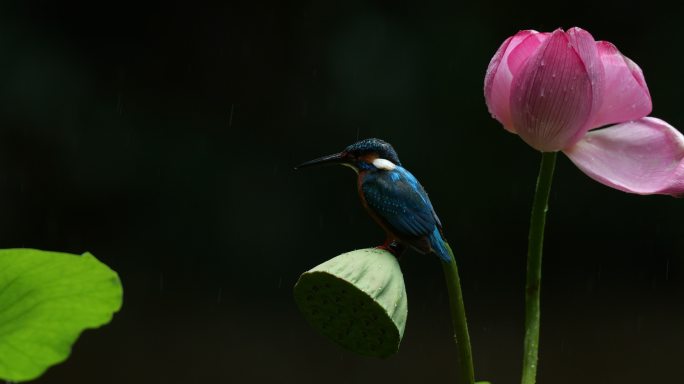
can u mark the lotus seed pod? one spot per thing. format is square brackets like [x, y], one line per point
[358, 300]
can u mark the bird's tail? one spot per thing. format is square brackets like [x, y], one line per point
[440, 246]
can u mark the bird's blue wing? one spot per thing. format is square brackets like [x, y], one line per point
[399, 199]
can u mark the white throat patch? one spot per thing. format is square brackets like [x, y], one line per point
[384, 164]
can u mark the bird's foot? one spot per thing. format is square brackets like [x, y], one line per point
[394, 247]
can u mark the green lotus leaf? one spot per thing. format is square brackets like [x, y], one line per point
[356, 299]
[46, 300]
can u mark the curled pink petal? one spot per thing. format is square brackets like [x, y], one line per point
[520, 53]
[645, 156]
[585, 46]
[551, 97]
[497, 87]
[625, 95]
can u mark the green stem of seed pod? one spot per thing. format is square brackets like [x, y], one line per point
[458, 318]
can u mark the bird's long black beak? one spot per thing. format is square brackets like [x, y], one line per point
[337, 158]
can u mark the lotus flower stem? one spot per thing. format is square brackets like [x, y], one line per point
[458, 318]
[534, 263]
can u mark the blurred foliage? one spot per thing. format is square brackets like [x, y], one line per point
[46, 300]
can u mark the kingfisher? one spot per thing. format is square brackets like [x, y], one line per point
[392, 196]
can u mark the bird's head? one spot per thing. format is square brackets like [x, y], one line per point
[364, 155]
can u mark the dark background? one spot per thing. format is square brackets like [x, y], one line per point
[161, 136]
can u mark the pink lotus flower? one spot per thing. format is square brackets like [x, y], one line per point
[553, 88]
